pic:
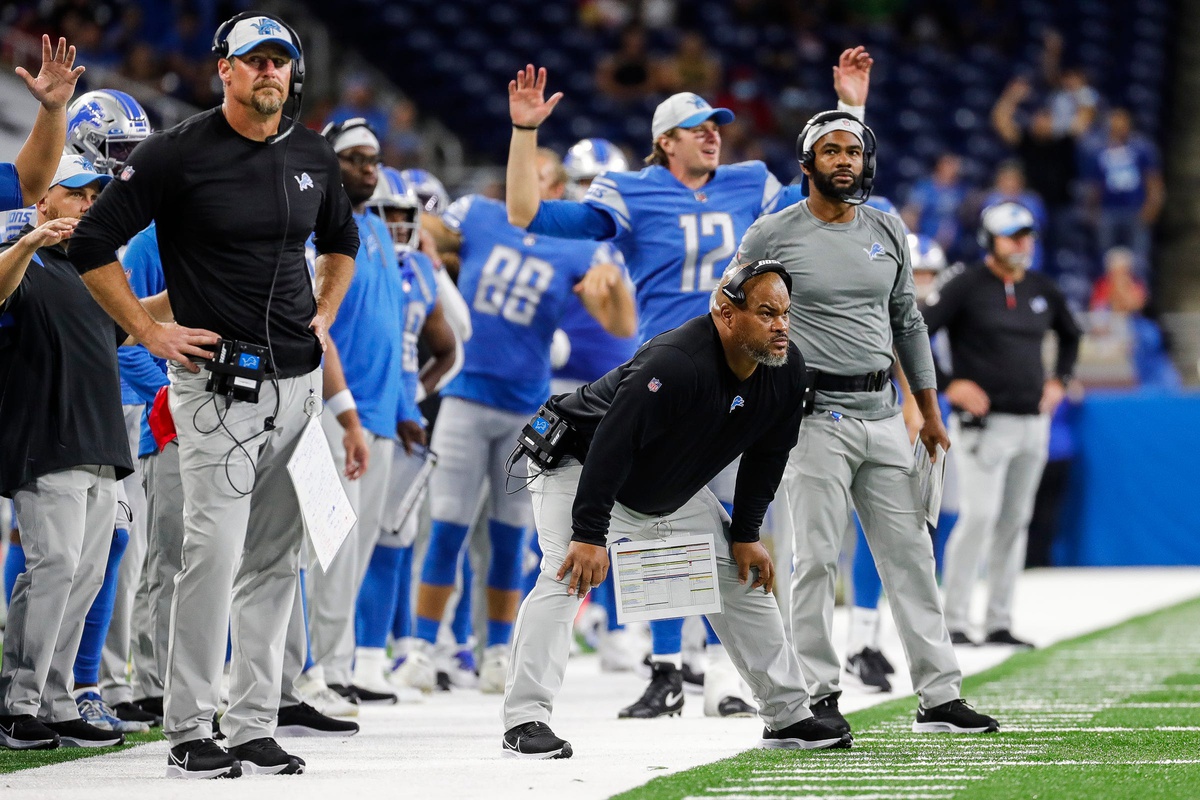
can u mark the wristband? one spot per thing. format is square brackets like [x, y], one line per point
[525, 127]
[342, 401]
[858, 111]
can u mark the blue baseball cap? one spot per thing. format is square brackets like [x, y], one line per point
[685, 110]
[251, 32]
[76, 171]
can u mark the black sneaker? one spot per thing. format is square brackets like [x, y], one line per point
[24, 732]
[735, 707]
[348, 692]
[826, 710]
[201, 758]
[662, 698]
[953, 717]
[264, 757]
[304, 720]
[1004, 636]
[132, 712]
[693, 682]
[882, 662]
[370, 696]
[77, 733]
[958, 637]
[151, 705]
[535, 740]
[870, 670]
[807, 734]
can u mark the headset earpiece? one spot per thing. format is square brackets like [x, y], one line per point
[735, 288]
[807, 157]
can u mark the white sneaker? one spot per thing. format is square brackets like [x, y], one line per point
[312, 689]
[370, 668]
[457, 662]
[620, 651]
[415, 672]
[96, 713]
[494, 670]
[723, 687]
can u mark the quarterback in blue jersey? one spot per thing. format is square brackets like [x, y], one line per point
[517, 285]
[678, 222]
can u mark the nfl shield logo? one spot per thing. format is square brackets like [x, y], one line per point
[127, 173]
[654, 385]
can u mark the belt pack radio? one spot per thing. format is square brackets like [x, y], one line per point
[238, 370]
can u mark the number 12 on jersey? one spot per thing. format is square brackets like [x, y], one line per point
[706, 224]
[512, 286]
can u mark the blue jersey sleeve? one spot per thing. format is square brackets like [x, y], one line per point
[143, 265]
[454, 216]
[570, 220]
[788, 196]
[141, 371]
[10, 188]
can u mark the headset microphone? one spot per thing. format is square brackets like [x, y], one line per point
[220, 46]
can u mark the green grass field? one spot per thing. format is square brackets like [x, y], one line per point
[1115, 714]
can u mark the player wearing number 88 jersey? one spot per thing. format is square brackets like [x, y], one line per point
[517, 285]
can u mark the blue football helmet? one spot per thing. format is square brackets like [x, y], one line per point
[104, 126]
[926, 253]
[433, 195]
[395, 200]
[588, 158]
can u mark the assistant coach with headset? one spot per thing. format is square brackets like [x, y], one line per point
[638, 468]
[853, 302]
[235, 191]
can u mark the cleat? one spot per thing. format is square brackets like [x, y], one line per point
[662, 698]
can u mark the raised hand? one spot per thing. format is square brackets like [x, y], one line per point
[852, 76]
[526, 103]
[55, 81]
[53, 232]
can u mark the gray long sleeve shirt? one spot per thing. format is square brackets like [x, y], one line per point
[852, 300]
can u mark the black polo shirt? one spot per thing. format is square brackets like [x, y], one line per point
[658, 428]
[60, 391]
[233, 216]
[996, 334]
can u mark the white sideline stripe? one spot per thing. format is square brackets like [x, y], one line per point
[873, 776]
[826, 796]
[849, 786]
[1176, 728]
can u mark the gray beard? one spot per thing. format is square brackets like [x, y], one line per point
[266, 104]
[765, 357]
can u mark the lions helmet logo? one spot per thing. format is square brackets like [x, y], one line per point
[90, 112]
[266, 26]
[654, 385]
[698, 101]
[304, 181]
[875, 251]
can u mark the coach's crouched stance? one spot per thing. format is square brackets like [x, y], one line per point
[649, 436]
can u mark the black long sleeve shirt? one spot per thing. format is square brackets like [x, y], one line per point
[658, 428]
[233, 215]
[996, 333]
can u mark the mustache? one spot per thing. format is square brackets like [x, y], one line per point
[269, 85]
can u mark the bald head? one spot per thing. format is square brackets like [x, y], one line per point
[758, 328]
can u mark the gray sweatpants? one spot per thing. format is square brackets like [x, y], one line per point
[837, 464]
[332, 594]
[241, 540]
[164, 549]
[999, 468]
[750, 626]
[66, 521]
[114, 662]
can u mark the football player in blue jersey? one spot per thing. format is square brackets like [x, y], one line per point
[387, 587]
[592, 352]
[430, 190]
[517, 284]
[678, 222]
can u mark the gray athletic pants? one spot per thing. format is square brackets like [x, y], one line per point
[750, 626]
[999, 468]
[66, 521]
[333, 593]
[844, 463]
[164, 549]
[242, 537]
[114, 662]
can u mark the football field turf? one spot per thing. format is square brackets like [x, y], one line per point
[1115, 714]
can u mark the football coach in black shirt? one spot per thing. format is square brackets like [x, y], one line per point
[648, 437]
[235, 191]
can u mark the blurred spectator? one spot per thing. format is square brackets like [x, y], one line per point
[358, 100]
[691, 68]
[1009, 186]
[744, 96]
[935, 204]
[627, 75]
[1072, 101]
[1126, 192]
[1118, 302]
[402, 145]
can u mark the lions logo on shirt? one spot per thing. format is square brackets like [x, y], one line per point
[875, 252]
[738, 402]
[1039, 305]
[304, 181]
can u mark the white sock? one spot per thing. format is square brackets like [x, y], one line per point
[675, 659]
[864, 629]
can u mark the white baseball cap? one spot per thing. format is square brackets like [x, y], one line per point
[685, 110]
[249, 33]
[1008, 219]
[76, 171]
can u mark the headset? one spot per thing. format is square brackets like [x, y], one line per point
[333, 130]
[985, 237]
[870, 148]
[220, 46]
[735, 289]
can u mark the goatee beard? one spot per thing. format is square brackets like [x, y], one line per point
[824, 184]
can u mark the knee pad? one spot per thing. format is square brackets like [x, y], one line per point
[508, 550]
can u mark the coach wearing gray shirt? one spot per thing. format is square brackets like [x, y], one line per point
[852, 303]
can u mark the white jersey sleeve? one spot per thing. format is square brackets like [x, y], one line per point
[605, 194]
